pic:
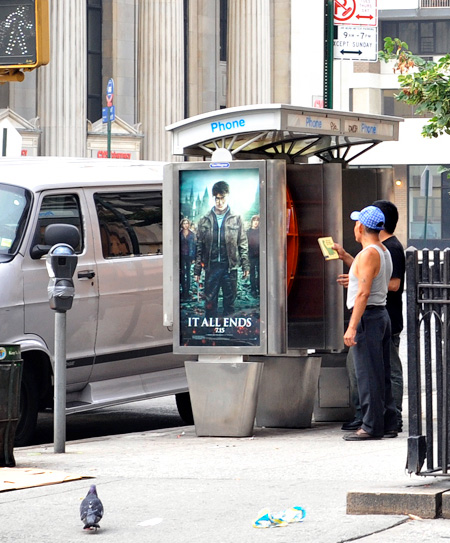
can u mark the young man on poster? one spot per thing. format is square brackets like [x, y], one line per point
[253, 254]
[222, 248]
[187, 255]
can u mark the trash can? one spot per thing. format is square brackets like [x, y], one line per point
[10, 380]
[224, 397]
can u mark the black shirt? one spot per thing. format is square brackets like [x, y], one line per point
[394, 298]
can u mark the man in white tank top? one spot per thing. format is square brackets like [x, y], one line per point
[369, 328]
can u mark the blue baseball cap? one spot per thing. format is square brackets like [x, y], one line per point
[370, 216]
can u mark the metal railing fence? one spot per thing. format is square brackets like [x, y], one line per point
[428, 299]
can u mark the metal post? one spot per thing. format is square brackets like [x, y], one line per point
[416, 441]
[427, 358]
[427, 179]
[445, 367]
[59, 421]
[5, 141]
[109, 133]
[328, 54]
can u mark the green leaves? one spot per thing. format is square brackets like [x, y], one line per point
[423, 83]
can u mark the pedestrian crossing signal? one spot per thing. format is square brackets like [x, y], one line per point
[24, 34]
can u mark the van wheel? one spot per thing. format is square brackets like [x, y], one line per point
[29, 406]
[184, 407]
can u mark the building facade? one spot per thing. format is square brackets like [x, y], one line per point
[173, 59]
[370, 87]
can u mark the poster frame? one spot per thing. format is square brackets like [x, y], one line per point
[173, 176]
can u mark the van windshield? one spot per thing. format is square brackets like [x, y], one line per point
[14, 209]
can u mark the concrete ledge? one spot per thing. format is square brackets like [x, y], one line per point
[446, 505]
[425, 501]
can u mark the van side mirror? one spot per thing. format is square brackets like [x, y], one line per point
[54, 234]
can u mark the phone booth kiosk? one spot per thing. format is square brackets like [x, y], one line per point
[264, 183]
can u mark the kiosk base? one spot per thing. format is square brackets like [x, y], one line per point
[287, 392]
[224, 395]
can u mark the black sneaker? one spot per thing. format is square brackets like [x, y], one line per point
[353, 425]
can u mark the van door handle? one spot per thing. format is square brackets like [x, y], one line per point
[86, 274]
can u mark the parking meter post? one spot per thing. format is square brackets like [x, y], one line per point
[59, 419]
[61, 264]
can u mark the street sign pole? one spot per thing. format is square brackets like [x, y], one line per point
[328, 54]
[108, 137]
[110, 110]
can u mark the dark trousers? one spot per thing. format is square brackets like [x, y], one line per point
[396, 379]
[185, 275]
[371, 356]
[220, 277]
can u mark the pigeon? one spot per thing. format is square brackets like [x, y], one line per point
[91, 510]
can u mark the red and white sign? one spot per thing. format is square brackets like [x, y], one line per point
[356, 12]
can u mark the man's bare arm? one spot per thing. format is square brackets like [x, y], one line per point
[394, 284]
[343, 255]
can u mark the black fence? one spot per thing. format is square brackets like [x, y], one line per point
[428, 299]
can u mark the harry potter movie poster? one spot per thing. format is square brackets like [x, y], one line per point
[219, 257]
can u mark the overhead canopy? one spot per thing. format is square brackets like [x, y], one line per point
[283, 131]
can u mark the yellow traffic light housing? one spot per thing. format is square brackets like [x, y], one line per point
[24, 35]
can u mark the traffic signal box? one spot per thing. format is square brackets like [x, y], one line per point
[24, 37]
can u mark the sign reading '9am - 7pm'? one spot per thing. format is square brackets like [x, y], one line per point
[356, 12]
[356, 43]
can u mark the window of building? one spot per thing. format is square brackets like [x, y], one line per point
[223, 29]
[423, 37]
[429, 201]
[94, 59]
[435, 3]
[130, 223]
[186, 56]
[391, 106]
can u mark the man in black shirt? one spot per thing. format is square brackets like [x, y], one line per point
[394, 304]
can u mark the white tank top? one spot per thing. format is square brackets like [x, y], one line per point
[379, 289]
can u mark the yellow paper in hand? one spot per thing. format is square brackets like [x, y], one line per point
[326, 245]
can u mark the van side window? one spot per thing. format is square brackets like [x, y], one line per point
[59, 209]
[130, 223]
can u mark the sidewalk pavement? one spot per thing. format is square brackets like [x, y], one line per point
[172, 486]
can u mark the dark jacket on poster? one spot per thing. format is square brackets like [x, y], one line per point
[187, 245]
[232, 244]
[253, 242]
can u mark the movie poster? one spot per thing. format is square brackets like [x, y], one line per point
[219, 257]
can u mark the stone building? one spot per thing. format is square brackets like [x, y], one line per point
[173, 59]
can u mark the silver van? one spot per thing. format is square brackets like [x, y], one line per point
[117, 347]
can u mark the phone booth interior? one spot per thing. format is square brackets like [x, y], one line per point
[320, 190]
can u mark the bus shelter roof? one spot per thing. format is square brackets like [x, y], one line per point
[283, 131]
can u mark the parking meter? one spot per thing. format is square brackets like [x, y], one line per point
[61, 264]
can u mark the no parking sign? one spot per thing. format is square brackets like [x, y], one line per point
[356, 12]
